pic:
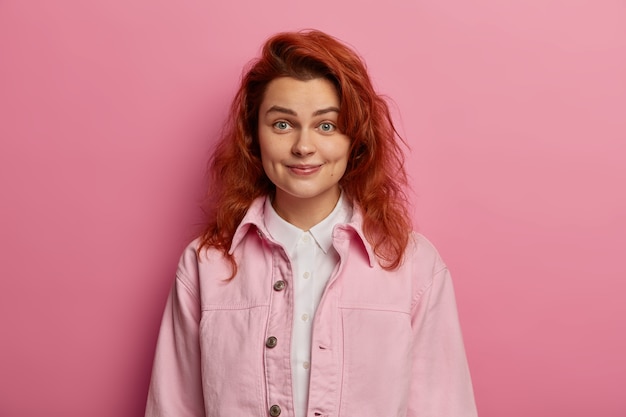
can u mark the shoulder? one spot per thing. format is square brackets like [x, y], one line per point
[420, 246]
[422, 255]
[195, 262]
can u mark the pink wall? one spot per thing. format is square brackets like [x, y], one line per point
[515, 113]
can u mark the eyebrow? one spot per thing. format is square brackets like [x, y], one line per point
[285, 110]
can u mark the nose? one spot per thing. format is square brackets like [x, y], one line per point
[304, 144]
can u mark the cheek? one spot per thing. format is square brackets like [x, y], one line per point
[342, 160]
[266, 162]
[270, 146]
[344, 153]
[265, 150]
[269, 161]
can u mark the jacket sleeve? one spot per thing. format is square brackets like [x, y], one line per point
[176, 384]
[441, 385]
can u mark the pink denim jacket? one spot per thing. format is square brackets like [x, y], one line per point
[384, 343]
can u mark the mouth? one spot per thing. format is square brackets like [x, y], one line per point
[304, 169]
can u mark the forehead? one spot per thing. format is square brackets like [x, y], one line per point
[288, 91]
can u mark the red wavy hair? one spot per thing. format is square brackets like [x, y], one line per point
[375, 177]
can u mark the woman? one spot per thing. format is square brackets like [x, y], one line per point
[307, 294]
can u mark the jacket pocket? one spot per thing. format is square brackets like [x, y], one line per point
[232, 360]
[377, 362]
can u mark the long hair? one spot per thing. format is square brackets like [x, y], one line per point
[375, 177]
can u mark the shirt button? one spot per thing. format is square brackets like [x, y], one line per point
[305, 317]
[279, 285]
[305, 238]
[306, 365]
[306, 275]
[271, 342]
[274, 411]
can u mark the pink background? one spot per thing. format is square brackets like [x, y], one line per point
[515, 115]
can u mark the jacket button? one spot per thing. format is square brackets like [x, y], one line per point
[279, 285]
[274, 411]
[270, 343]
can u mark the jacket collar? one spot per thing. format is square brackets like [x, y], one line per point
[254, 218]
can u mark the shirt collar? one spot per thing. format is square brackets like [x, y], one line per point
[255, 217]
[288, 234]
[279, 229]
[323, 231]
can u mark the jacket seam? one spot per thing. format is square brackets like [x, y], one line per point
[424, 289]
[179, 278]
[373, 308]
[215, 307]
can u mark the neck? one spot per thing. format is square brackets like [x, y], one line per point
[304, 213]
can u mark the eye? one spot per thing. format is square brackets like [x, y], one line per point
[282, 125]
[327, 127]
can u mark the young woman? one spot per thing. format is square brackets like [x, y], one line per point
[308, 294]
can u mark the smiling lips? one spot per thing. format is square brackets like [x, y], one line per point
[304, 169]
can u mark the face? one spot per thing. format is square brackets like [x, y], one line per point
[303, 152]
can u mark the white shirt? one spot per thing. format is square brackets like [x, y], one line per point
[313, 259]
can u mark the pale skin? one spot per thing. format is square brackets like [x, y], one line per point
[303, 152]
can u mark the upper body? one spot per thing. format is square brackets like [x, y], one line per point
[310, 146]
[384, 343]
